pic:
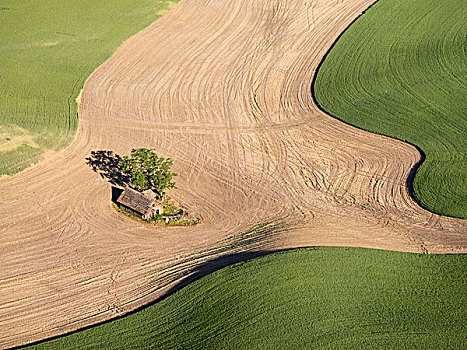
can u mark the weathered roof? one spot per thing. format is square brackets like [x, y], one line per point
[136, 201]
[149, 193]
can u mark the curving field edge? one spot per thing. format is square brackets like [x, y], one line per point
[228, 98]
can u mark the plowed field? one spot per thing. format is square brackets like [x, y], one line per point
[222, 87]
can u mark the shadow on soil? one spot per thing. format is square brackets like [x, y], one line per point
[107, 165]
[413, 171]
[213, 265]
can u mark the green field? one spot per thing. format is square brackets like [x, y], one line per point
[47, 51]
[401, 70]
[328, 298]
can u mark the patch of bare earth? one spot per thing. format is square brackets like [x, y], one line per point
[222, 87]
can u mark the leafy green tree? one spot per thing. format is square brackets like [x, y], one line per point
[147, 170]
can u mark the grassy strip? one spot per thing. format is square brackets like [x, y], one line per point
[172, 216]
[48, 49]
[303, 299]
[13, 161]
[400, 70]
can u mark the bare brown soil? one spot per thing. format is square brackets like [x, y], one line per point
[222, 87]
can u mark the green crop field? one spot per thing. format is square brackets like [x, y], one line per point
[328, 298]
[47, 51]
[401, 70]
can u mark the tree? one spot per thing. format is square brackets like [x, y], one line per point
[147, 170]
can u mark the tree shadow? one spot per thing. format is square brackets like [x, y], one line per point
[107, 165]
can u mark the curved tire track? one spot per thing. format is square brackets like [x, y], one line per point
[222, 87]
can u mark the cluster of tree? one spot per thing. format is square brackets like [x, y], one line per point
[147, 170]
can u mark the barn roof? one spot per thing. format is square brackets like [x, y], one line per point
[136, 201]
[149, 193]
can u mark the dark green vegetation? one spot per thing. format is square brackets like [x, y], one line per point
[146, 170]
[400, 70]
[47, 51]
[172, 215]
[303, 299]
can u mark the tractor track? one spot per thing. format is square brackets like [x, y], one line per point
[223, 88]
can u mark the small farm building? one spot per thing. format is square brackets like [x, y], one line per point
[142, 205]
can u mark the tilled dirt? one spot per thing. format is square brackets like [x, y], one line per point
[222, 87]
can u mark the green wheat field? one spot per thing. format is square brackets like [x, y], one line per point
[315, 298]
[401, 70]
[48, 49]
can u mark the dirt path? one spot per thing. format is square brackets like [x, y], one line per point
[222, 87]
